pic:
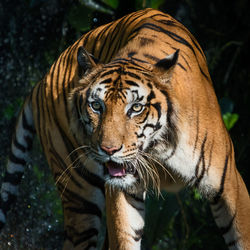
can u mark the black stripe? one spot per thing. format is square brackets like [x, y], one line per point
[104, 42]
[108, 80]
[136, 67]
[108, 73]
[18, 145]
[63, 81]
[29, 142]
[156, 59]
[186, 60]
[157, 106]
[174, 24]
[136, 198]
[82, 236]
[131, 19]
[218, 208]
[116, 61]
[86, 206]
[51, 88]
[98, 38]
[210, 156]
[171, 136]
[145, 118]
[149, 85]
[219, 193]
[57, 77]
[139, 234]
[225, 229]
[203, 73]
[139, 60]
[43, 119]
[151, 96]
[233, 242]
[91, 178]
[69, 69]
[1, 224]
[146, 41]
[91, 244]
[25, 124]
[197, 131]
[77, 107]
[131, 74]
[85, 38]
[71, 84]
[46, 100]
[174, 36]
[5, 205]
[131, 53]
[112, 35]
[201, 158]
[131, 83]
[179, 64]
[38, 115]
[16, 159]
[13, 178]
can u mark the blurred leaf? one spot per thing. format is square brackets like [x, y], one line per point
[162, 210]
[100, 6]
[112, 3]
[38, 173]
[155, 4]
[12, 109]
[197, 195]
[79, 18]
[49, 57]
[149, 3]
[230, 119]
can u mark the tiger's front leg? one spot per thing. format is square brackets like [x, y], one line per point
[211, 168]
[125, 219]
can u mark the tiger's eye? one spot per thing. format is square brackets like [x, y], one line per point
[96, 106]
[137, 107]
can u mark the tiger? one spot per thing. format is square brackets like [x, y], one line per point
[128, 107]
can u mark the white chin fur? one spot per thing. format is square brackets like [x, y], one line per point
[127, 183]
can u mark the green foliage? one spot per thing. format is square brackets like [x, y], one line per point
[50, 196]
[197, 195]
[230, 119]
[180, 221]
[155, 4]
[79, 18]
[12, 108]
[112, 3]
[228, 116]
[159, 218]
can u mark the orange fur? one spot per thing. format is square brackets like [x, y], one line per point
[193, 146]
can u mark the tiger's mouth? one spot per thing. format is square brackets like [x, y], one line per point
[117, 170]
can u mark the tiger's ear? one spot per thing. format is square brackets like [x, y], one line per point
[164, 67]
[85, 60]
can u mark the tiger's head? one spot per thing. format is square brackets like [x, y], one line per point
[123, 116]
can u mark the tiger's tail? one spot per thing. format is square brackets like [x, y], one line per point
[19, 153]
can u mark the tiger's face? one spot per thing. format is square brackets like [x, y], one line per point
[122, 116]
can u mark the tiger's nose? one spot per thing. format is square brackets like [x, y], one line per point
[110, 150]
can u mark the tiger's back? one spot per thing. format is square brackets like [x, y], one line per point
[193, 144]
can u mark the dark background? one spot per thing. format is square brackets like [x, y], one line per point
[33, 33]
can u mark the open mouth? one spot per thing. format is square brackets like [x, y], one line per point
[120, 170]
